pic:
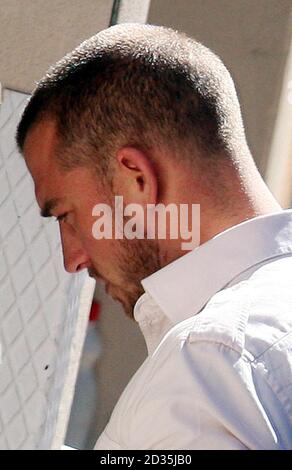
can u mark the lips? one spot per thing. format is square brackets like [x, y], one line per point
[95, 274]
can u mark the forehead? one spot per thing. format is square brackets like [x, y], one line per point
[50, 180]
[40, 146]
[39, 153]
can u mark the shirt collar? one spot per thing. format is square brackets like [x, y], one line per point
[153, 322]
[183, 287]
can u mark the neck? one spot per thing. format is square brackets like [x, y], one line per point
[243, 197]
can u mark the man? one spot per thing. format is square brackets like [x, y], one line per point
[149, 114]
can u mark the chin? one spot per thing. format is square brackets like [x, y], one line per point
[126, 303]
[126, 298]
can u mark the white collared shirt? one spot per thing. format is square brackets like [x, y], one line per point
[218, 327]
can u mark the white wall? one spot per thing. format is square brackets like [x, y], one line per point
[36, 33]
[252, 37]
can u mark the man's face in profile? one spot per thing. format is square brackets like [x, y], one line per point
[70, 197]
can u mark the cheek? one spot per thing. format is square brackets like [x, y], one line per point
[83, 225]
[102, 249]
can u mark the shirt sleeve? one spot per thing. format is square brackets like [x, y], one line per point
[201, 397]
[104, 442]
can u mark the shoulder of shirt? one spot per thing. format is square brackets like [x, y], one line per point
[223, 320]
[250, 315]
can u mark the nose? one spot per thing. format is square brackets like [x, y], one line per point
[74, 256]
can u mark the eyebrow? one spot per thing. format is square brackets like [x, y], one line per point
[49, 205]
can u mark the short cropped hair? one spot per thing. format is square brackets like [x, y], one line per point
[141, 85]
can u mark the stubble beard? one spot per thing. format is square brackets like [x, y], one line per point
[135, 260]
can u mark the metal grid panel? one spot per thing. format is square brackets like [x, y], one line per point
[43, 310]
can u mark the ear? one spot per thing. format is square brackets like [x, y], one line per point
[135, 177]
